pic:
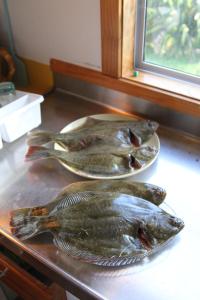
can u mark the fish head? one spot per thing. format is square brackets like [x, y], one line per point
[138, 157]
[158, 228]
[142, 132]
[147, 125]
[155, 193]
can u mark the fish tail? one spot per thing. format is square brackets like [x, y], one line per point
[24, 232]
[31, 226]
[18, 215]
[37, 152]
[39, 137]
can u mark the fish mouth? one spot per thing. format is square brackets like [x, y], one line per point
[152, 125]
[144, 239]
[177, 223]
[162, 194]
[159, 194]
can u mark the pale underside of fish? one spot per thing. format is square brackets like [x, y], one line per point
[106, 228]
[101, 163]
[111, 133]
[146, 191]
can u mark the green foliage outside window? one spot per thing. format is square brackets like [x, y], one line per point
[172, 36]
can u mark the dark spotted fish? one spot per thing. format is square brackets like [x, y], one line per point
[111, 133]
[147, 191]
[97, 163]
[84, 138]
[102, 228]
[140, 130]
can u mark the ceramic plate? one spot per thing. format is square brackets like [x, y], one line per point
[153, 142]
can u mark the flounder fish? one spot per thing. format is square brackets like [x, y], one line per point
[97, 163]
[147, 191]
[118, 134]
[106, 228]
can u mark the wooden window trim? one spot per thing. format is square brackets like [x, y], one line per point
[111, 34]
[117, 64]
[165, 98]
[118, 59]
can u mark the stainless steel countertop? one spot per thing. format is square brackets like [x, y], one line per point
[171, 274]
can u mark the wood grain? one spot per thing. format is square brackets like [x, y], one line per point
[166, 83]
[128, 37]
[25, 285]
[163, 97]
[58, 292]
[111, 37]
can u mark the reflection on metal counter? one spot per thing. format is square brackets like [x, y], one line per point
[176, 169]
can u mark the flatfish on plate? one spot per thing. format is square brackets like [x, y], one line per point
[100, 164]
[110, 133]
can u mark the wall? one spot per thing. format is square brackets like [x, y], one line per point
[65, 29]
[3, 40]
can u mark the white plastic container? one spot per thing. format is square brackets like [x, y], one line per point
[1, 144]
[20, 116]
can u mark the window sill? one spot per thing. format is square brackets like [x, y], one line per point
[168, 84]
[165, 92]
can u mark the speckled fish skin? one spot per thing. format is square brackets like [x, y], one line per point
[119, 134]
[84, 138]
[147, 191]
[142, 129]
[133, 224]
[97, 163]
[99, 136]
[132, 124]
[101, 163]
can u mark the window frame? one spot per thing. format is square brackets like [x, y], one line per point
[117, 31]
[140, 64]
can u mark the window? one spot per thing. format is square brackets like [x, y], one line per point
[118, 47]
[168, 38]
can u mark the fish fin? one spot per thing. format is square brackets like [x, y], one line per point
[38, 137]
[26, 231]
[31, 226]
[90, 122]
[37, 152]
[64, 201]
[60, 243]
[18, 215]
[64, 245]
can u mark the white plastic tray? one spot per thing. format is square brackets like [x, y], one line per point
[20, 115]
